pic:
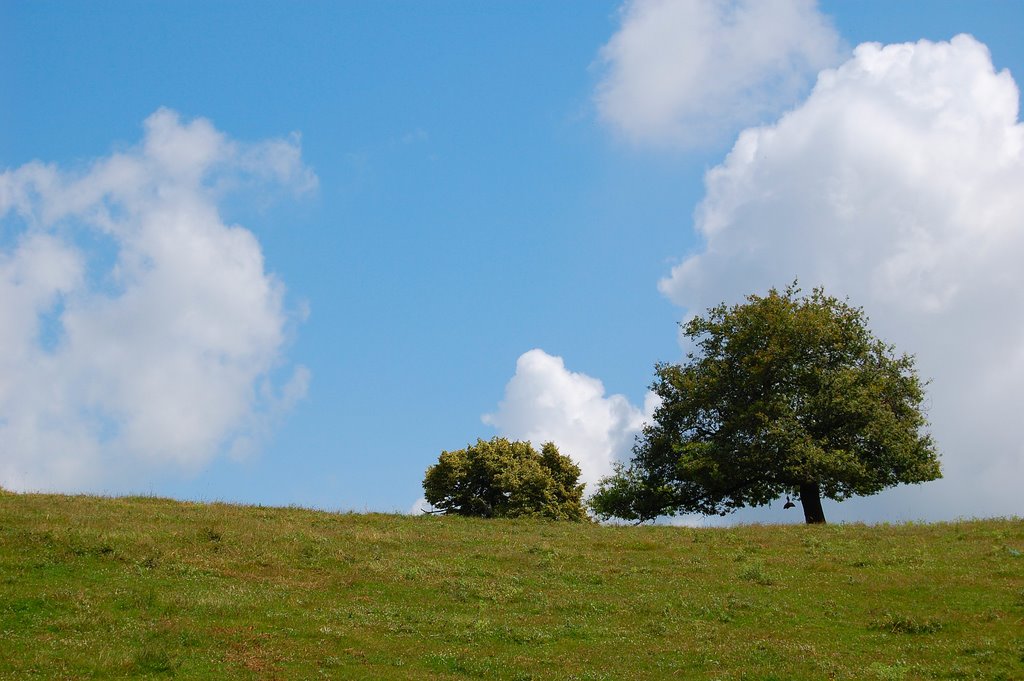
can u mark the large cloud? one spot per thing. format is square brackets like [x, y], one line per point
[899, 182]
[137, 330]
[545, 402]
[686, 72]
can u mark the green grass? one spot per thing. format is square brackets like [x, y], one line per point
[150, 588]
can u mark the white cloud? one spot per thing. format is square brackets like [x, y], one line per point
[899, 183]
[138, 331]
[420, 506]
[545, 402]
[689, 72]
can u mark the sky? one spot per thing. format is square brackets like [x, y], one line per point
[287, 253]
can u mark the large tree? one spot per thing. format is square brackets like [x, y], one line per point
[504, 479]
[785, 394]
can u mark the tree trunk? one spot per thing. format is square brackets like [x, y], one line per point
[810, 499]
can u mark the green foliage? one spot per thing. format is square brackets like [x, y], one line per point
[503, 479]
[784, 394]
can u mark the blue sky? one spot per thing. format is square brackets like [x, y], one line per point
[450, 192]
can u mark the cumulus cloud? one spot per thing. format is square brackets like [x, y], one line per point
[138, 331]
[420, 506]
[687, 72]
[897, 182]
[545, 402]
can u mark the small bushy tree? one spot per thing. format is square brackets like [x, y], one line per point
[504, 479]
[783, 394]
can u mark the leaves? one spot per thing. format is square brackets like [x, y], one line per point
[504, 479]
[782, 391]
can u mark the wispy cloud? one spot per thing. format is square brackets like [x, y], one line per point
[138, 331]
[691, 72]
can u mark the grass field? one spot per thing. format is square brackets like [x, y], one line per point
[139, 587]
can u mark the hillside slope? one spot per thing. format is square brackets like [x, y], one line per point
[132, 587]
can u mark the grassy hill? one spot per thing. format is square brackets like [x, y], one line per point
[133, 587]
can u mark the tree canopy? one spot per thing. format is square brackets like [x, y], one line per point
[785, 394]
[504, 479]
